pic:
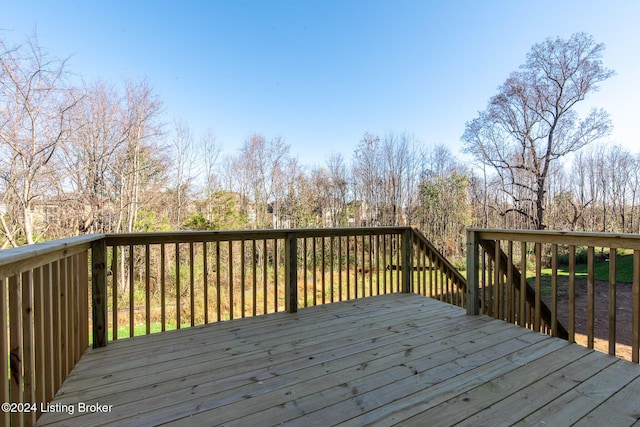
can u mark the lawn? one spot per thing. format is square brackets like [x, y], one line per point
[624, 269]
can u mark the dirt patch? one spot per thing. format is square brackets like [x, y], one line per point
[624, 314]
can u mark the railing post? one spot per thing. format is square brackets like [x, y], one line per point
[407, 262]
[99, 292]
[473, 263]
[291, 273]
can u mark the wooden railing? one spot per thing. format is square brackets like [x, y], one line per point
[159, 281]
[435, 277]
[151, 282]
[505, 280]
[44, 323]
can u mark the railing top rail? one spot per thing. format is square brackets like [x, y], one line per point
[17, 260]
[609, 240]
[234, 235]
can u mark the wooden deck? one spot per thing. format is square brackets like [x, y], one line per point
[392, 359]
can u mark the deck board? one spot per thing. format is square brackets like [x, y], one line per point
[392, 359]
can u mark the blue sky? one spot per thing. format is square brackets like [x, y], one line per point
[322, 73]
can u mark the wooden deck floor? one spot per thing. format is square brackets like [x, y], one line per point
[394, 359]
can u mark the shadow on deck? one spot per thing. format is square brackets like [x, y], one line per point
[398, 358]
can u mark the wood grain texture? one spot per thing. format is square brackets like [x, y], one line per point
[388, 359]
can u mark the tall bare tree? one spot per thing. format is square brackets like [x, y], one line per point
[35, 102]
[338, 190]
[444, 210]
[532, 122]
[183, 156]
[140, 162]
[100, 132]
[368, 178]
[262, 163]
[210, 151]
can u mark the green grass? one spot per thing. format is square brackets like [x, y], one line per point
[624, 270]
[123, 331]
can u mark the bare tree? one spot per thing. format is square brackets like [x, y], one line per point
[338, 189]
[259, 166]
[140, 163]
[531, 122]
[100, 132]
[35, 102]
[619, 169]
[444, 200]
[183, 151]
[367, 170]
[210, 151]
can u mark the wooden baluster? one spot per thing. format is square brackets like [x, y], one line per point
[473, 264]
[510, 285]
[331, 258]
[177, 288]
[48, 301]
[70, 317]
[218, 285]
[370, 267]
[114, 292]
[590, 296]
[323, 270]
[5, 416]
[554, 290]
[523, 283]
[28, 356]
[572, 293]
[538, 301]
[395, 259]
[340, 292]
[385, 263]
[64, 318]
[314, 273]
[205, 282]
[55, 293]
[132, 318]
[291, 273]
[305, 266]
[443, 283]
[85, 298]
[254, 274]
[264, 274]
[635, 333]
[433, 291]
[275, 275]
[613, 258]
[147, 288]
[355, 264]
[417, 275]
[348, 266]
[483, 281]
[163, 287]
[378, 264]
[230, 279]
[242, 278]
[192, 285]
[491, 287]
[496, 280]
[15, 346]
[75, 306]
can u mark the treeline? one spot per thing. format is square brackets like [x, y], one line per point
[96, 157]
[597, 190]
